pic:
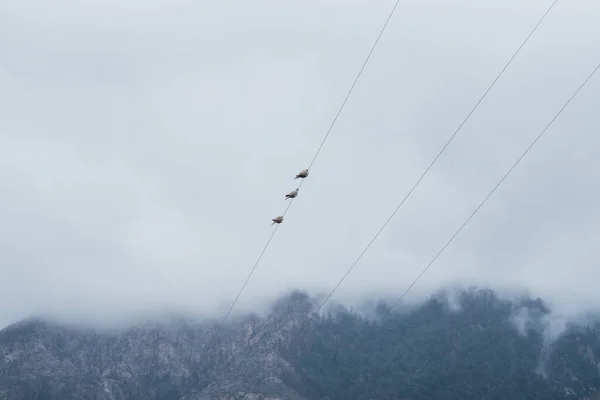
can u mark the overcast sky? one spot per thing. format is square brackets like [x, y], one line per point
[146, 145]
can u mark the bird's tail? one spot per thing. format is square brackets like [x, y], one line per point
[297, 176]
[273, 222]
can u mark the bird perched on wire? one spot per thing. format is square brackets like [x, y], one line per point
[302, 174]
[277, 220]
[292, 194]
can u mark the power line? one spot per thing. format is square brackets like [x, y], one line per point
[429, 167]
[480, 205]
[419, 180]
[310, 165]
[318, 151]
[437, 156]
[355, 81]
[422, 175]
[256, 264]
[495, 187]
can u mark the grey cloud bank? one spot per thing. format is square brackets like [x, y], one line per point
[145, 146]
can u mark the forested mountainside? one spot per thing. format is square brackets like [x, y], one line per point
[481, 347]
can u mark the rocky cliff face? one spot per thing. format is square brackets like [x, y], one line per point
[170, 359]
[487, 350]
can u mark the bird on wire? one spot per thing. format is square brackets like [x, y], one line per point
[292, 194]
[302, 174]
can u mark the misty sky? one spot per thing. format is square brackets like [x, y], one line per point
[145, 146]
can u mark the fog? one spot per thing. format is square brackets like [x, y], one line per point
[145, 147]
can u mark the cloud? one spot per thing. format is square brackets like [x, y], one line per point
[145, 146]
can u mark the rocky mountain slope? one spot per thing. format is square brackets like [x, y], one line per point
[487, 348]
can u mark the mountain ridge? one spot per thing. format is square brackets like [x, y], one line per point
[472, 346]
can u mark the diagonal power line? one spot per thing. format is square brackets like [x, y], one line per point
[510, 170]
[496, 187]
[426, 170]
[480, 205]
[438, 155]
[429, 167]
[390, 15]
[422, 175]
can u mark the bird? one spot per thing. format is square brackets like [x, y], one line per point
[277, 220]
[302, 174]
[292, 194]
